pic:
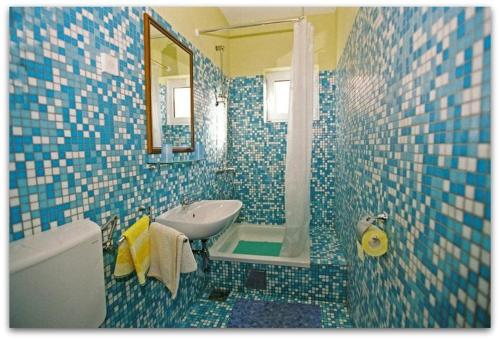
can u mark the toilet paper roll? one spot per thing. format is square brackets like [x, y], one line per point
[363, 224]
[374, 241]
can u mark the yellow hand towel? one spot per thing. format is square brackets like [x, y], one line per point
[134, 251]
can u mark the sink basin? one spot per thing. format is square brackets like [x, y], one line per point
[202, 219]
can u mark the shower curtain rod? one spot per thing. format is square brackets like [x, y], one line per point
[160, 64]
[260, 23]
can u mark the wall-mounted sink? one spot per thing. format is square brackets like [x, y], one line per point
[202, 219]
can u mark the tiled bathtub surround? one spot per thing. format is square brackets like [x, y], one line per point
[258, 148]
[77, 140]
[414, 140]
[320, 282]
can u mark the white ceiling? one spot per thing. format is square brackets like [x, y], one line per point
[241, 15]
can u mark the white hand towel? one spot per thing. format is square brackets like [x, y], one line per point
[188, 262]
[170, 256]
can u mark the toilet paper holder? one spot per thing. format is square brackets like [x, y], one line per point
[370, 230]
[369, 219]
[381, 217]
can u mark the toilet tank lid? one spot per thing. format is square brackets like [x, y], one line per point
[37, 248]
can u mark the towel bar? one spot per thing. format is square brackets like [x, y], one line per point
[111, 224]
[148, 212]
[122, 238]
[109, 245]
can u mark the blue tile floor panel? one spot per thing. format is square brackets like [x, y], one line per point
[272, 314]
[205, 313]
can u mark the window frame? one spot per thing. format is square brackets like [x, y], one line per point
[172, 83]
[273, 75]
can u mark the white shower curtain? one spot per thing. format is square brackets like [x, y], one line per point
[299, 140]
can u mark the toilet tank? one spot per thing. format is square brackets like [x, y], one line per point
[57, 278]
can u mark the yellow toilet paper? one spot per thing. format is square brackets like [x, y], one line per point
[374, 241]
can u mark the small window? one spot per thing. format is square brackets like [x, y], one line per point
[277, 95]
[178, 100]
[281, 98]
[182, 102]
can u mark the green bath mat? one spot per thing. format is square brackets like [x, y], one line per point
[258, 248]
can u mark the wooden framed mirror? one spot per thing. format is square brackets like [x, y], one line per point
[168, 66]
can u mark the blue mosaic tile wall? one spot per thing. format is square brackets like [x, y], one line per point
[257, 149]
[77, 140]
[413, 139]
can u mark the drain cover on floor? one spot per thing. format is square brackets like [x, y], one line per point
[218, 295]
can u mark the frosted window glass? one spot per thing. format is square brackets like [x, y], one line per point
[282, 97]
[182, 102]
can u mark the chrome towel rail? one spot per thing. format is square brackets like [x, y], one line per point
[227, 169]
[123, 239]
[112, 223]
[148, 212]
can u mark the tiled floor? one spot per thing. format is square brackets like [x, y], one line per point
[214, 314]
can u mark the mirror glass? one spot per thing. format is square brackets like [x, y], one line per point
[170, 91]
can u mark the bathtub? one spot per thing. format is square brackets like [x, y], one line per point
[223, 247]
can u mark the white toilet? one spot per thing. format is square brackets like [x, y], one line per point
[57, 278]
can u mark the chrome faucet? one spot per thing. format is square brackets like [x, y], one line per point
[186, 201]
